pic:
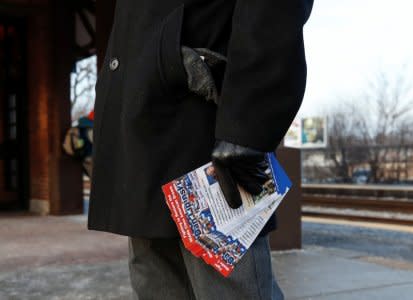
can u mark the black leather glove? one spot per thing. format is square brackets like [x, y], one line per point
[199, 64]
[235, 164]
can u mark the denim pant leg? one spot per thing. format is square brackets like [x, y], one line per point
[157, 270]
[252, 278]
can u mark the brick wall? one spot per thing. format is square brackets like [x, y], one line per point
[38, 87]
[55, 179]
[38, 97]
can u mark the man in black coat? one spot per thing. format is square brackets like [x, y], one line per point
[151, 126]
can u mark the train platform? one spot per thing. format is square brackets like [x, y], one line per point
[57, 258]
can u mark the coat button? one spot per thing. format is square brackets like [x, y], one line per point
[114, 64]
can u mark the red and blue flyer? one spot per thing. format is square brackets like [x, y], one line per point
[209, 228]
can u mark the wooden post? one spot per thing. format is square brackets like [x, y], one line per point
[288, 233]
[65, 181]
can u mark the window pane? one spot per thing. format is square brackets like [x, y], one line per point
[13, 166]
[13, 132]
[13, 182]
[12, 101]
[12, 116]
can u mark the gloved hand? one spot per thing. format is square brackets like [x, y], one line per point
[235, 164]
[199, 64]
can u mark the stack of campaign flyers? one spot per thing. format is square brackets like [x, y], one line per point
[209, 228]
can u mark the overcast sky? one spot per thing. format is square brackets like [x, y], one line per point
[348, 42]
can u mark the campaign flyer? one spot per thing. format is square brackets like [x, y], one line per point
[209, 228]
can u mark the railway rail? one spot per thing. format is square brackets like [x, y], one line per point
[390, 211]
[369, 203]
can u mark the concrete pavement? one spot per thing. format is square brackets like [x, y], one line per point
[322, 273]
[58, 258]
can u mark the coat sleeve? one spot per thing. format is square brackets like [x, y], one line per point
[266, 74]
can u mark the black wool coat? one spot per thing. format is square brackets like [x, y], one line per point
[149, 129]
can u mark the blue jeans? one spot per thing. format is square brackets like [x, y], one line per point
[164, 269]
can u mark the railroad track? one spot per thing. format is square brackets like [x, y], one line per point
[365, 208]
[388, 211]
[359, 218]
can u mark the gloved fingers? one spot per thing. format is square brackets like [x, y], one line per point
[249, 156]
[212, 58]
[252, 181]
[259, 172]
[251, 167]
[228, 185]
[251, 187]
[199, 76]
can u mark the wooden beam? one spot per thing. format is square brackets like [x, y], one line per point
[288, 233]
[66, 182]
